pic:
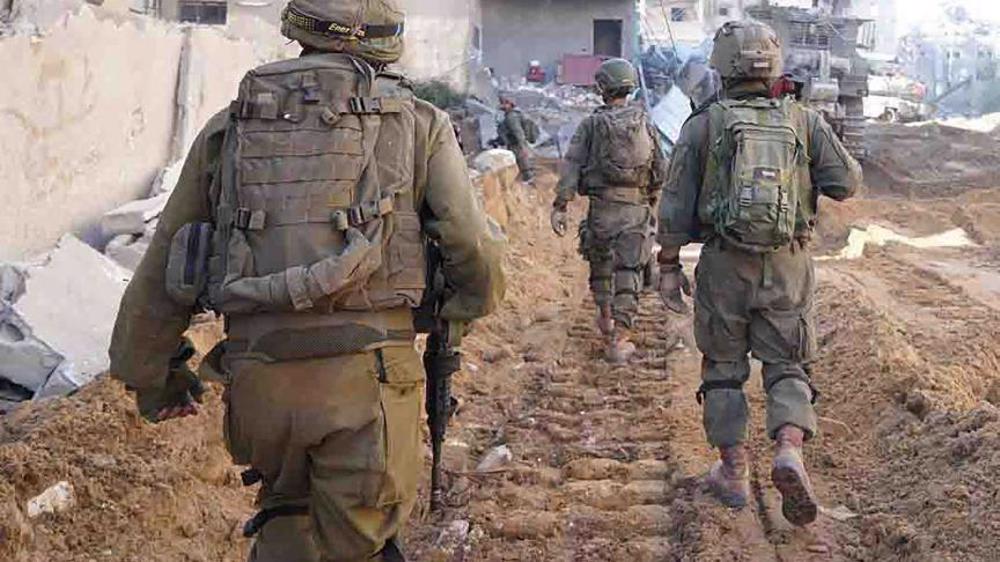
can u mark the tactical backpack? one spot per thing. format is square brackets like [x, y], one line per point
[757, 172]
[314, 202]
[623, 151]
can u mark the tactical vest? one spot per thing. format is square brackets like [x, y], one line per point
[757, 190]
[314, 201]
[622, 148]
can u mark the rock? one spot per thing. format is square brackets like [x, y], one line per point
[166, 180]
[127, 250]
[70, 303]
[131, 218]
[455, 534]
[25, 360]
[57, 499]
[496, 459]
[11, 282]
[494, 160]
[839, 513]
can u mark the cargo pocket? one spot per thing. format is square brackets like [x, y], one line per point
[237, 446]
[401, 378]
[807, 338]
[187, 263]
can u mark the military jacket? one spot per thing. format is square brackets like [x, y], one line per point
[150, 323]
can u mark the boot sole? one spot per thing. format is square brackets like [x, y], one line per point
[798, 504]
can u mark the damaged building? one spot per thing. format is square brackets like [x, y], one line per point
[569, 38]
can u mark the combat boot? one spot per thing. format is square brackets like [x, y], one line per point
[619, 349]
[605, 323]
[729, 479]
[798, 501]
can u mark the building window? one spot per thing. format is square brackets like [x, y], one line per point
[724, 12]
[678, 14]
[209, 13]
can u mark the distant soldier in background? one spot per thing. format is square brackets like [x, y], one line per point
[745, 178]
[517, 131]
[615, 160]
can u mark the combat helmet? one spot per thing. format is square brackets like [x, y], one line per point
[616, 78]
[370, 29]
[747, 50]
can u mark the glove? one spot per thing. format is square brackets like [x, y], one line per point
[672, 283]
[560, 222]
[182, 390]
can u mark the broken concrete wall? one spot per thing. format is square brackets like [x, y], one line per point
[212, 65]
[89, 115]
[443, 40]
[86, 120]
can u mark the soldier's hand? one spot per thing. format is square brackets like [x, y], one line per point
[181, 394]
[674, 284]
[560, 222]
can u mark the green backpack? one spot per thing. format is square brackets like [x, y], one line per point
[757, 173]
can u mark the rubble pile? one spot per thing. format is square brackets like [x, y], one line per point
[57, 312]
[56, 317]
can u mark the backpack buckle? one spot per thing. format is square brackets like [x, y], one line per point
[364, 106]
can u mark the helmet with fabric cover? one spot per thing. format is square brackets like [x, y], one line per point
[747, 50]
[616, 78]
[370, 29]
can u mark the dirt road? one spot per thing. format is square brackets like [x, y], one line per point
[606, 461]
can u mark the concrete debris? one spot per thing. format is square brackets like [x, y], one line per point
[494, 160]
[496, 459]
[127, 250]
[70, 303]
[25, 361]
[11, 282]
[58, 498]
[131, 218]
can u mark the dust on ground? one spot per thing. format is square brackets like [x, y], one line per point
[607, 460]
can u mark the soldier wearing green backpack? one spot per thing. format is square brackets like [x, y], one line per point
[745, 179]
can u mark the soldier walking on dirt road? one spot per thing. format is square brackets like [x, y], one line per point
[615, 160]
[301, 215]
[745, 179]
[515, 132]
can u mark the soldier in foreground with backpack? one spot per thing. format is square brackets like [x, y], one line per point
[516, 132]
[301, 215]
[616, 161]
[745, 179]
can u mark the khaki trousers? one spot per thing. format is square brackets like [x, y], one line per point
[339, 435]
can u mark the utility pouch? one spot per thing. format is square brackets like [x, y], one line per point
[187, 265]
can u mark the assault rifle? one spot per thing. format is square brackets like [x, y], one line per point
[441, 361]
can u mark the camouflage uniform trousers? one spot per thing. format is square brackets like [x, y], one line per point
[525, 162]
[338, 435]
[760, 304]
[616, 239]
